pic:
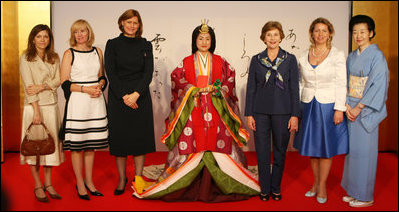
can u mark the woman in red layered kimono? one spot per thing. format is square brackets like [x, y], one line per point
[204, 132]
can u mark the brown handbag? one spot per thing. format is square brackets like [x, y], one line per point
[30, 147]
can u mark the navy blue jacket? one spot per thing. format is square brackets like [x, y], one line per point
[267, 98]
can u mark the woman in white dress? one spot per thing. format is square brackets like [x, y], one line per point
[85, 122]
[40, 72]
[323, 132]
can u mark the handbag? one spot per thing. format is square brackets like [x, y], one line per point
[37, 147]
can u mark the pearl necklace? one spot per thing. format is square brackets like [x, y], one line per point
[319, 54]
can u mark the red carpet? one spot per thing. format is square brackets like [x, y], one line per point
[17, 184]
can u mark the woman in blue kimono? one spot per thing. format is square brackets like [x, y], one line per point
[368, 78]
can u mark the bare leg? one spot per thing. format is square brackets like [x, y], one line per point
[47, 179]
[77, 165]
[315, 164]
[139, 164]
[88, 159]
[325, 166]
[38, 183]
[121, 166]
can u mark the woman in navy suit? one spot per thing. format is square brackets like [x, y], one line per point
[272, 106]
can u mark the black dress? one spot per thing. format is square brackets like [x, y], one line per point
[129, 66]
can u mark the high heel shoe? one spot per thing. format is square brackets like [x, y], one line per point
[276, 197]
[94, 193]
[121, 191]
[321, 200]
[85, 196]
[264, 197]
[310, 194]
[40, 199]
[53, 196]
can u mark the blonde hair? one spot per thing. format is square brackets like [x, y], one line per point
[78, 25]
[330, 30]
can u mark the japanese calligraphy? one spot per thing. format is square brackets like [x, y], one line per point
[292, 36]
[157, 41]
[244, 56]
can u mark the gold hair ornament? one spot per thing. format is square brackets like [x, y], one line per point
[204, 26]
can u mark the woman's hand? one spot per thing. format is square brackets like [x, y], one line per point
[130, 100]
[37, 116]
[338, 117]
[348, 115]
[293, 124]
[94, 91]
[354, 113]
[251, 123]
[34, 89]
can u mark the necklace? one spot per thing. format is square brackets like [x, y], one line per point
[319, 54]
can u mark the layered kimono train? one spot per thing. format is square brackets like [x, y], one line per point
[204, 134]
[368, 78]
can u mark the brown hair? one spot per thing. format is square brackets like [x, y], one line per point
[78, 24]
[269, 26]
[31, 51]
[330, 29]
[130, 13]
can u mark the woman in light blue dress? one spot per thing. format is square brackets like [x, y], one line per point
[368, 79]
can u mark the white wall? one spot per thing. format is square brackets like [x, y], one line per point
[234, 23]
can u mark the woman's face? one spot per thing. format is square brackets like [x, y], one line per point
[320, 33]
[204, 42]
[272, 38]
[361, 34]
[130, 26]
[81, 35]
[41, 40]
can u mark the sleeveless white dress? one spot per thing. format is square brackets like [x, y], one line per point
[86, 122]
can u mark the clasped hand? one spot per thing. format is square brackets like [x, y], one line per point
[130, 100]
[94, 90]
[352, 113]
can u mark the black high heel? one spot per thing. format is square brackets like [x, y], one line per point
[121, 191]
[85, 196]
[276, 197]
[94, 193]
[264, 197]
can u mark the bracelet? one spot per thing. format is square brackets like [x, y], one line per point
[359, 106]
[81, 88]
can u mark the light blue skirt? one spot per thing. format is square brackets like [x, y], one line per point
[318, 136]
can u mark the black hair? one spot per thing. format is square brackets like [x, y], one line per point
[196, 32]
[358, 19]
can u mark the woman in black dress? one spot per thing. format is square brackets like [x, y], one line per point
[129, 66]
